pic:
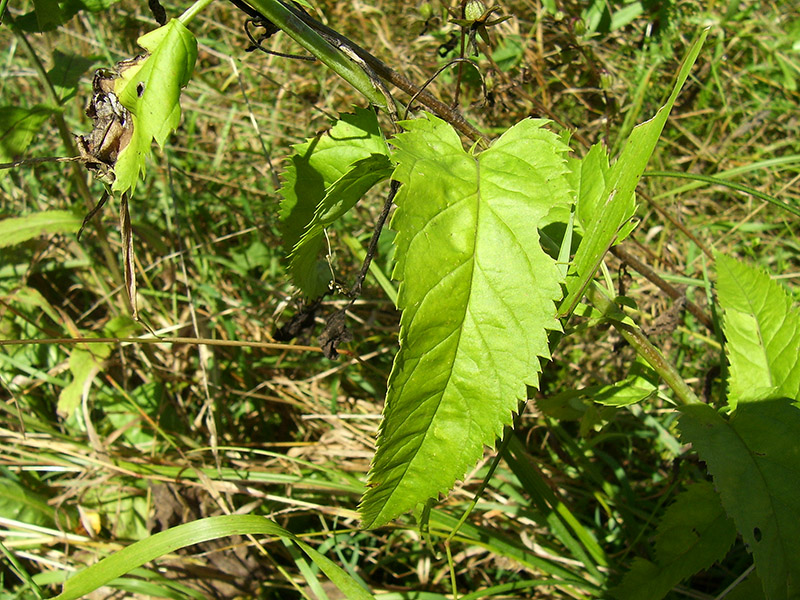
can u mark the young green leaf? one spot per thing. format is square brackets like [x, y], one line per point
[604, 224]
[321, 183]
[478, 298]
[754, 459]
[694, 533]
[151, 91]
[640, 384]
[591, 183]
[761, 327]
[339, 198]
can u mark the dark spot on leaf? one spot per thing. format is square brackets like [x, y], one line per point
[757, 534]
[140, 89]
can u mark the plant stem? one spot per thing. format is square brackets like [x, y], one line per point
[636, 338]
[195, 9]
[296, 27]
[389, 75]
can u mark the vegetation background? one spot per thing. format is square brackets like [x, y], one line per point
[168, 433]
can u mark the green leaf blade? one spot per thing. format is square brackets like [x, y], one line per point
[151, 92]
[66, 73]
[755, 462]
[694, 533]
[18, 126]
[195, 532]
[21, 229]
[84, 365]
[762, 329]
[339, 198]
[312, 198]
[478, 297]
[604, 221]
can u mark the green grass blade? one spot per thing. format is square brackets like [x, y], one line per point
[181, 536]
[559, 518]
[728, 184]
[770, 163]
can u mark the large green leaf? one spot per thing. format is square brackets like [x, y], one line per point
[605, 220]
[151, 91]
[478, 298]
[755, 460]
[321, 183]
[694, 533]
[762, 329]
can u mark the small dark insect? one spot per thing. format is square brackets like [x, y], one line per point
[301, 322]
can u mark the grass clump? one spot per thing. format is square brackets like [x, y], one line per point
[110, 435]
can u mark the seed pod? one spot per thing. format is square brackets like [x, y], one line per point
[474, 10]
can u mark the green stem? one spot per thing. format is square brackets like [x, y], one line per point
[195, 9]
[309, 39]
[634, 336]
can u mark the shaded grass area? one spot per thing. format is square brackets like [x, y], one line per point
[108, 443]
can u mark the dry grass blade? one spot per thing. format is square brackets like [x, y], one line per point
[128, 256]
